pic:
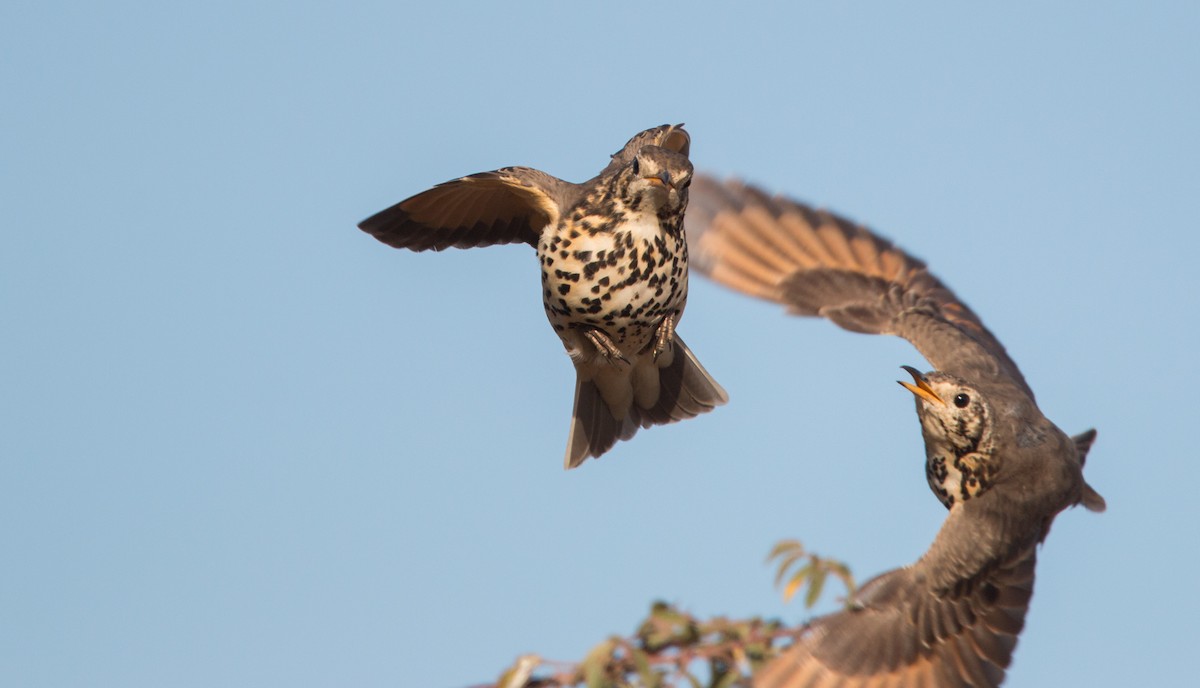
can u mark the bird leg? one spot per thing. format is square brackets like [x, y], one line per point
[605, 346]
[664, 341]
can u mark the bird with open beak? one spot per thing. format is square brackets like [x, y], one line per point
[1000, 467]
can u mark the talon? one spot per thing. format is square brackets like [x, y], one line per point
[665, 341]
[605, 346]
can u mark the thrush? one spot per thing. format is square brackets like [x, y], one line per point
[614, 269]
[1001, 468]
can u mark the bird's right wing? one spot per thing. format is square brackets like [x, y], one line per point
[949, 621]
[506, 206]
[817, 263]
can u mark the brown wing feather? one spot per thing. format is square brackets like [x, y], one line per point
[506, 206]
[819, 264]
[950, 620]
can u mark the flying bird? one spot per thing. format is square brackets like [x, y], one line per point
[1000, 467]
[614, 275]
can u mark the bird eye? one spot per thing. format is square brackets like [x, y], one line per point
[961, 400]
[637, 167]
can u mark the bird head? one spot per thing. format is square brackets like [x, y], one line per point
[951, 410]
[658, 178]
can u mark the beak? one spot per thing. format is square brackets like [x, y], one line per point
[663, 178]
[922, 388]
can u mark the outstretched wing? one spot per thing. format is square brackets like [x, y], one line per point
[819, 264]
[669, 136]
[506, 206]
[944, 622]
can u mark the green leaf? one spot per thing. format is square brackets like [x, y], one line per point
[595, 665]
[727, 680]
[518, 674]
[650, 677]
[785, 546]
[786, 563]
[797, 580]
[816, 583]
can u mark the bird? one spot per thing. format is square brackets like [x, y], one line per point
[999, 466]
[614, 275]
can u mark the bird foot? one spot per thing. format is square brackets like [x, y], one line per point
[664, 342]
[606, 347]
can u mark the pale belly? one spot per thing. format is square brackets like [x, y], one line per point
[624, 284]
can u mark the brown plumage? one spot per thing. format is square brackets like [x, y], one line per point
[1002, 469]
[614, 275]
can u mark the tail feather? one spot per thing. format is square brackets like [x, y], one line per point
[1091, 500]
[686, 390]
[594, 430]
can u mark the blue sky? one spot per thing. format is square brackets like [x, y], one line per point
[245, 444]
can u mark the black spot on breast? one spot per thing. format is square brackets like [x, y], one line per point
[563, 289]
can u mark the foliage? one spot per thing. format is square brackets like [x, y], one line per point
[673, 648]
[814, 572]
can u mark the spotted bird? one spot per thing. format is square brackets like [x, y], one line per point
[614, 275]
[1000, 467]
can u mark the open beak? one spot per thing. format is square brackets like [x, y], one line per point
[921, 388]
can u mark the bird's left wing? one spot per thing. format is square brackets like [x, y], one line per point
[506, 206]
[949, 621]
[817, 263]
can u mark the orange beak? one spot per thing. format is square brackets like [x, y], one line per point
[921, 388]
[663, 178]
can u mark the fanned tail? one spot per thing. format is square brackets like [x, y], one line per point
[685, 390]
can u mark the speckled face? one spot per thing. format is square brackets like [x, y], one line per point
[962, 419]
[656, 180]
[957, 425]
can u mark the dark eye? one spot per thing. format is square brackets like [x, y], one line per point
[961, 400]
[637, 167]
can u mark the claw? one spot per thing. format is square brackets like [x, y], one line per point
[605, 346]
[665, 341]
